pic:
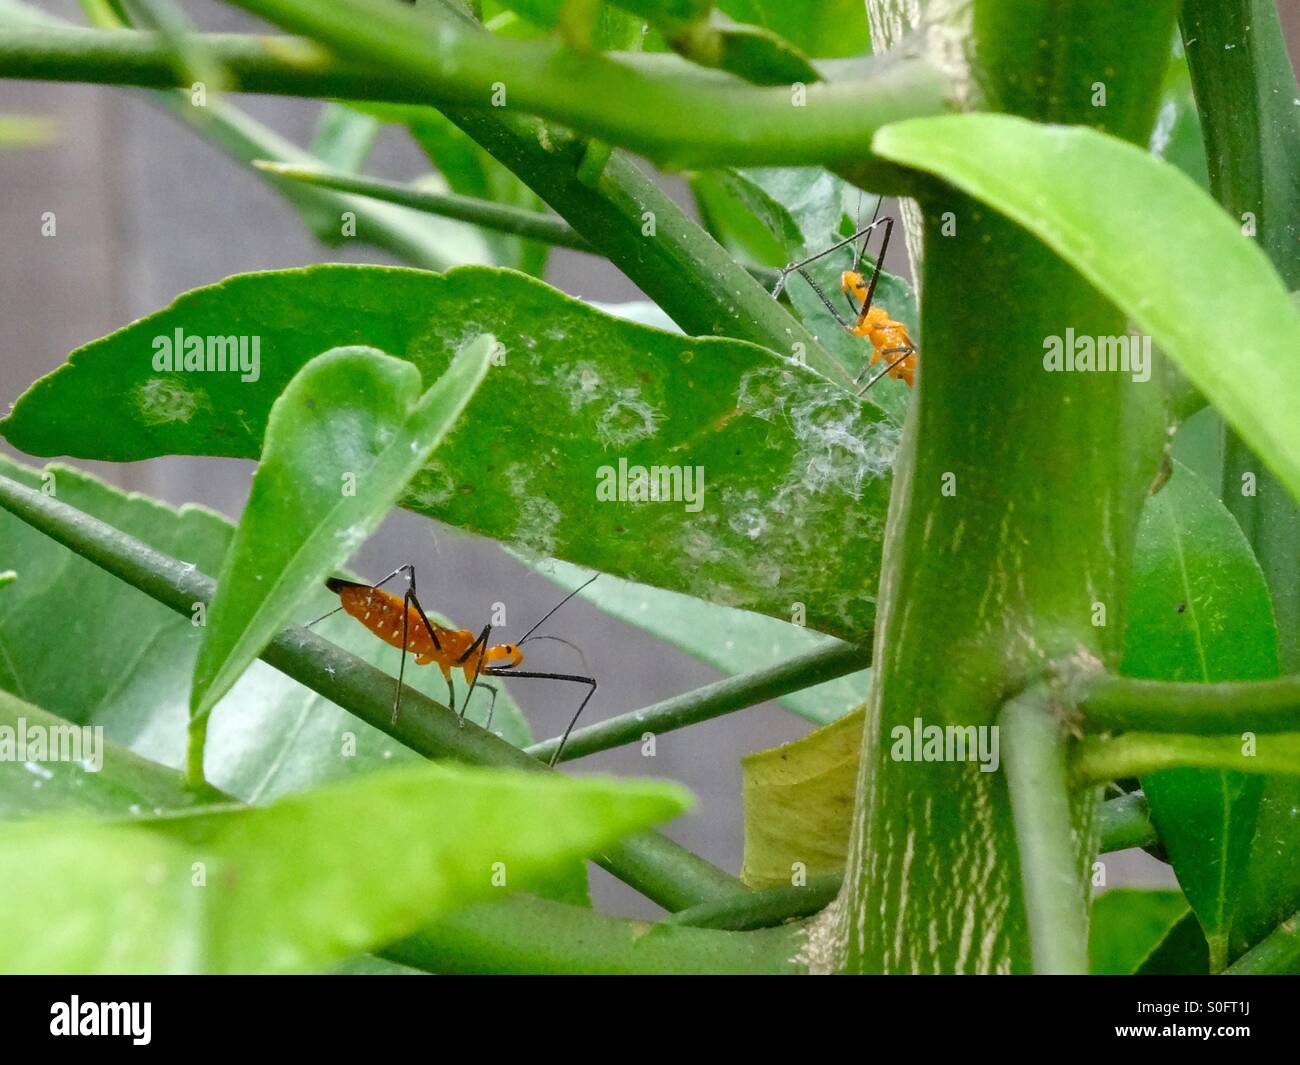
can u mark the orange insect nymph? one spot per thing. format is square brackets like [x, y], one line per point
[402, 623]
[381, 612]
[888, 336]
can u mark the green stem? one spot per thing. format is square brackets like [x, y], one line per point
[196, 737]
[534, 936]
[395, 229]
[1278, 953]
[497, 216]
[1055, 907]
[713, 700]
[1123, 822]
[625, 215]
[1114, 704]
[1135, 754]
[688, 119]
[685, 118]
[662, 870]
[761, 909]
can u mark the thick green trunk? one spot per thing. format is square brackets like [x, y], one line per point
[1015, 506]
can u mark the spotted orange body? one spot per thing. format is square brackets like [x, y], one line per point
[381, 612]
[888, 337]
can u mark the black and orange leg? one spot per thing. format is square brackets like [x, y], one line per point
[907, 352]
[574, 678]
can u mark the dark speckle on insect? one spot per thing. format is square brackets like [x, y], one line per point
[1182, 607]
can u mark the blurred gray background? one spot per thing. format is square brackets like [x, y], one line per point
[148, 210]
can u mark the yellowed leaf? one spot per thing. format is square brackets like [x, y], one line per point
[799, 805]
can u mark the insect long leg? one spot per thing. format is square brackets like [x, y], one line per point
[826, 300]
[414, 600]
[591, 690]
[401, 669]
[888, 223]
[797, 267]
[888, 366]
[479, 644]
[866, 231]
[492, 705]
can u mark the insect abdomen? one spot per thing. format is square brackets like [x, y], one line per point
[381, 613]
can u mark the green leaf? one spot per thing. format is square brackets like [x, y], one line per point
[1149, 240]
[342, 442]
[308, 880]
[731, 222]
[1183, 952]
[344, 137]
[111, 781]
[795, 468]
[799, 805]
[105, 779]
[819, 28]
[1127, 926]
[1199, 611]
[268, 737]
[734, 641]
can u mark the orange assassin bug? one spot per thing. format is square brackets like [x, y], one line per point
[888, 337]
[402, 622]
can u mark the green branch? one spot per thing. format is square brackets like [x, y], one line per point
[1034, 758]
[1116, 704]
[398, 55]
[1134, 754]
[1278, 953]
[396, 230]
[534, 936]
[674, 261]
[1123, 822]
[761, 909]
[712, 700]
[498, 216]
[662, 870]
[689, 119]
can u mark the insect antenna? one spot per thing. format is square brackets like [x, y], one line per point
[866, 234]
[567, 643]
[547, 615]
